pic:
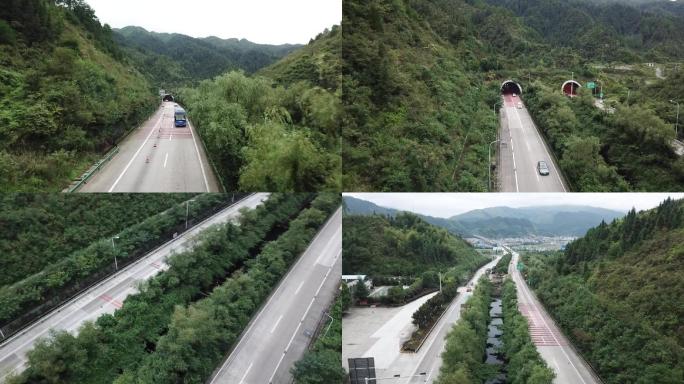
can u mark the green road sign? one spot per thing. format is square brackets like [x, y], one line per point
[591, 85]
[519, 267]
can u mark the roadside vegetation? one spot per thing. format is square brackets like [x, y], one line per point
[524, 364]
[462, 359]
[501, 266]
[236, 265]
[424, 77]
[275, 134]
[42, 229]
[628, 335]
[66, 93]
[321, 363]
[404, 245]
[47, 287]
[628, 150]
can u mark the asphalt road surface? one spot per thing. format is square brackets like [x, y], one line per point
[520, 149]
[157, 157]
[279, 334]
[109, 295]
[384, 341]
[552, 345]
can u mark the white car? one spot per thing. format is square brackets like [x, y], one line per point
[514, 95]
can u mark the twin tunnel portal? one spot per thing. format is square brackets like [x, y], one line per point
[524, 161]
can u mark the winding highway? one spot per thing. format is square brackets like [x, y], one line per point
[552, 345]
[521, 147]
[157, 157]
[280, 333]
[109, 295]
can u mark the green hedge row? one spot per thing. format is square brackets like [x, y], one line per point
[462, 360]
[119, 342]
[69, 275]
[525, 365]
[502, 264]
[202, 333]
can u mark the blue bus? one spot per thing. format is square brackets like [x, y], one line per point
[180, 117]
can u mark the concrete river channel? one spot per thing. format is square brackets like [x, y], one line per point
[494, 343]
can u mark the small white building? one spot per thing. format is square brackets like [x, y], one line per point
[351, 280]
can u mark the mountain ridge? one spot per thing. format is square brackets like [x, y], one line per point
[564, 219]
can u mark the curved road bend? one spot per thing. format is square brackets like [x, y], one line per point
[157, 157]
[520, 149]
[281, 331]
[109, 295]
[552, 345]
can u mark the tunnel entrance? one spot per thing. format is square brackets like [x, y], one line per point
[570, 88]
[168, 97]
[509, 87]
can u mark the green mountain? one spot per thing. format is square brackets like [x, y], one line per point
[617, 294]
[423, 78]
[626, 31]
[279, 129]
[195, 58]
[403, 245]
[67, 93]
[499, 222]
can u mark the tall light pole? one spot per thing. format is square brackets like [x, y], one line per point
[330, 325]
[373, 380]
[677, 123]
[495, 104]
[489, 186]
[116, 263]
[187, 210]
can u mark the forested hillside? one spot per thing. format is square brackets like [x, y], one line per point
[278, 133]
[41, 229]
[404, 245]
[614, 30]
[423, 76]
[174, 60]
[617, 294]
[66, 92]
[416, 117]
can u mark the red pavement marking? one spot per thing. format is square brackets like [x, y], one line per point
[539, 332]
[155, 264]
[110, 300]
[180, 132]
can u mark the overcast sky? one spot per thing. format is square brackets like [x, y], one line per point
[260, 21]
[450, 204]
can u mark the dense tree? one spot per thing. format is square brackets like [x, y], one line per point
[628, 335]
[237, 257]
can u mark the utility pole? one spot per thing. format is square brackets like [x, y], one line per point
[116, 263]
[677, 122]
[489, 185]
[439, 273]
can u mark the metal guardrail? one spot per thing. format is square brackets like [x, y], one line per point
[78, 183]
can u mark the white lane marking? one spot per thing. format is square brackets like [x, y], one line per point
[136, 154]
[553, 165]
[299, 287]
[204, 175]
[287, 348]
[276, 323]
[515, 168]
[231, 357]
[170, 137]
[165, 159]
[529, 300]
[246, 372]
